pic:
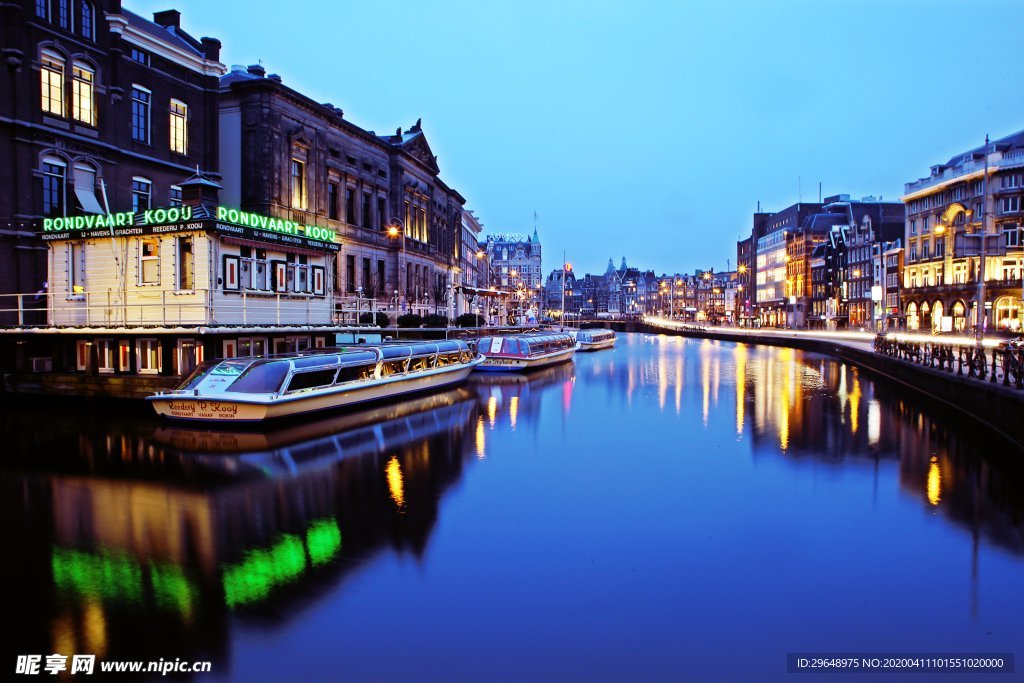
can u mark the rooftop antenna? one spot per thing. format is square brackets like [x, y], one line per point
[799, 191]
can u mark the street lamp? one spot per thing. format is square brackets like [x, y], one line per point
[396, 231]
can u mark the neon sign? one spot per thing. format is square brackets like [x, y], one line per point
[270, 224]
[118, 220]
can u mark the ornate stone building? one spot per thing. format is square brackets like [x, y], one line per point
[977, 192]
[286, 155]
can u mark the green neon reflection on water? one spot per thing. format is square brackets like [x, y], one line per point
[117, 577]
[262, 570]
[113, 576]
[108, 576]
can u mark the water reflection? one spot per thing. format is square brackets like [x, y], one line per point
[150, 535]
[132, 535]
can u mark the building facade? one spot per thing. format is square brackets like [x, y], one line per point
[975, 193]
[290, 157]
[104, 112]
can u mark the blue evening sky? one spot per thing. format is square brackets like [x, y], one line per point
[648, 130]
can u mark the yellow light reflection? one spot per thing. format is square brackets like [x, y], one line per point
[855, 404]
[395, 483]
[62, 632]
[874, 423]
[481, 440]
[740, 354]
[513, 410]
[94, 624]
[492, 410]
[934, 482]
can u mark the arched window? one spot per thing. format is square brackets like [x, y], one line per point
[51, 81]
[913, 321]
[938, 310]
[54, 186]
[86, 26]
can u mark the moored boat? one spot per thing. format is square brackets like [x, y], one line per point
[595, 340]
[525, 351]
[256, 389]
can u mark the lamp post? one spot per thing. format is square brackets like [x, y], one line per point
[396, 231]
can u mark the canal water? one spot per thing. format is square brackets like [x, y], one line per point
[671, 510]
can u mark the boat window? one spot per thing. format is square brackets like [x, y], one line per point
[417, 364]
[261, 377]
[203, 369]
[394, 367]
[312, 379]
[431, 361]
[354, 373]
[321, 361]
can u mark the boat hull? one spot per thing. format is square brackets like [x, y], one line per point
[513, 364]
[222, 409]
[597, 346]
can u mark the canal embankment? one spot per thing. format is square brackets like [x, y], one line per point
[996, 406]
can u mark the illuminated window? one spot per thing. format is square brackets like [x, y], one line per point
[149, 261]
[185, 264]
[75, 270]
[52, 82]
[82, 103]
[179, 127]
[141, 98]
[142, 192]
[298, 184]
[106, 355]
[148, 356]
[54, 184]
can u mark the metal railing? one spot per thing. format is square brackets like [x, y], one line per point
[1002, 363]
[163, 308]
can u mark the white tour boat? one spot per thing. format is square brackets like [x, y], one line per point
[525, 351]
[595, 340]
[256, 389]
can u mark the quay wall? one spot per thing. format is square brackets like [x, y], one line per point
[995, 407]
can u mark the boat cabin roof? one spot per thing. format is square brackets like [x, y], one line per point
[259, 375]
[594, 335]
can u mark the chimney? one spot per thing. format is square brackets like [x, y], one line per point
[167, 18]
[257, 70]
[211, 48]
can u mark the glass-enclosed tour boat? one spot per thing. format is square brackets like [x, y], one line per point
[595, 340]
[525, 351]
[255, 389]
